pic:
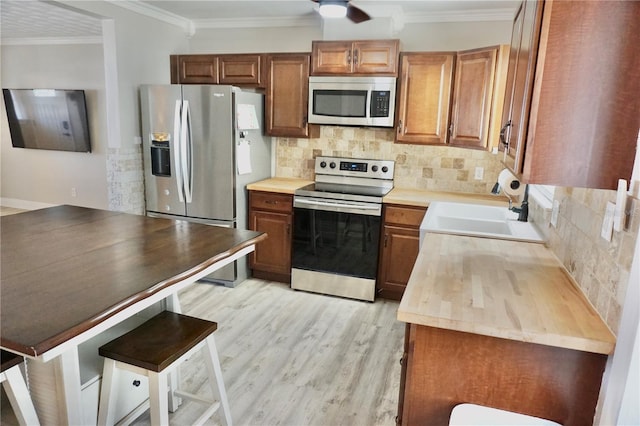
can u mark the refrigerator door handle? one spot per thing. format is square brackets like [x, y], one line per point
[176, 149]
[185, 129]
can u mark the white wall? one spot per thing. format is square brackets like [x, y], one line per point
[448, 36]
[48, 176]
[141, 51]
[254, 40]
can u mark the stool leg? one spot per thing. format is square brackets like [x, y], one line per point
[107, 406]
[19, 397]
[215, 373]
[158, 401]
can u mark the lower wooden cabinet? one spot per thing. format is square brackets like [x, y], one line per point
[271, 213]
[399, 248]
[443, 368]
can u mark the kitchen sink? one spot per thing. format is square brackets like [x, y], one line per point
[477, 220]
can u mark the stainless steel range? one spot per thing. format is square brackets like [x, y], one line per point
[337, 227]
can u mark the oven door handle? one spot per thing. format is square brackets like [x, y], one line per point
[336, 205]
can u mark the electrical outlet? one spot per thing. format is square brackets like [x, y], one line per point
[74, 193]
[607, 223]
[479, 174]
[554, 213]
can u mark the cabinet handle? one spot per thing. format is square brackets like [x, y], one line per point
[503, 134]
[386, 237]
[349, 58]
[271, 202]
[451, 129]
[401, 360]
[355, 57]
[400, 127]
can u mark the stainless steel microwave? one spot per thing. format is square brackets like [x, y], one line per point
[352, 101]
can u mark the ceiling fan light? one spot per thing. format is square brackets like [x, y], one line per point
[333, 9]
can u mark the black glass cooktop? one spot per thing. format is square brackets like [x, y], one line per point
[337, 188]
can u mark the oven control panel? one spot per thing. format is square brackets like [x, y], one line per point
[338, 166]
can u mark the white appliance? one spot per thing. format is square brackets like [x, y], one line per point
[202, 145]
[352, 101]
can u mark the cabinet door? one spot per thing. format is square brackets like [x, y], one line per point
[241, 69]
[287, 95]
[584, 111]
[422, 113]
[376, 57]
[472, 96]
[196, 69]
[274, 253]
[527, 22]
[399, 252]
[331, 57]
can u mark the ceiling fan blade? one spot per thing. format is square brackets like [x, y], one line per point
[356, 14]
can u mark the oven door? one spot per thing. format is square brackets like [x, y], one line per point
[335, 247]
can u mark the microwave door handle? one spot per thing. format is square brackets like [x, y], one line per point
[177, 146]
[367, 112]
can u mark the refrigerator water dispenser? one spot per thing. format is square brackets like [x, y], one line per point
[160, 158]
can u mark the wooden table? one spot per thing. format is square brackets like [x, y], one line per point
[70, 273]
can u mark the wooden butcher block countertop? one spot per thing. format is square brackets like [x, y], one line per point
[500, 288]
[281, 185]
[422, 198]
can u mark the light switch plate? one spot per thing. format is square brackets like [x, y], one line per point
[554, 213]
[607, 223]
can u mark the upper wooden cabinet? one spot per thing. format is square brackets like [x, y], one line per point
[287, 95]
[522, 59]
[424, 96]
[360, 57]
[575, 76]
[194, 69]
[240, 69]
[437, 105]
[472, 96]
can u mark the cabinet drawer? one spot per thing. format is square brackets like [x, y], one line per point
[404, 215]
[271, 201]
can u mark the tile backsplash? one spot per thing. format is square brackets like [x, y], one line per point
[601, 268]
[437, 168]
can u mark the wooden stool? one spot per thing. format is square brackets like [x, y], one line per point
[153, 349]
[16, 388]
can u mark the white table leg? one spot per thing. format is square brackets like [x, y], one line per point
[173, 305]
[55, 389]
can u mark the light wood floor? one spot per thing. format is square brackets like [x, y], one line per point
[296, 358]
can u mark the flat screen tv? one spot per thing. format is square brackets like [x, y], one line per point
[51, 119]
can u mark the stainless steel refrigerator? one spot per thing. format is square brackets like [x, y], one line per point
[201, 148]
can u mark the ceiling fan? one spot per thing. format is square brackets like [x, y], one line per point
[341, 8]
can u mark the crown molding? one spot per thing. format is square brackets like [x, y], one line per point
[154, 12]
[30, 41]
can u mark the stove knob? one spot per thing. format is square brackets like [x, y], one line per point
[323, 164]
[332, 165]
[374, 168]
[385, 169]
